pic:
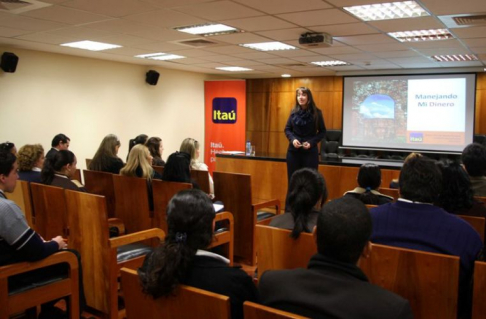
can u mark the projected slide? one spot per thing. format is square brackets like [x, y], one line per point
[433, 112]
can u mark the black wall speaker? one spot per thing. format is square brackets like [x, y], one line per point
[9, 62]
[152, 77]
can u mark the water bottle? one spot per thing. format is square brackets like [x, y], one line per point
[248, 148]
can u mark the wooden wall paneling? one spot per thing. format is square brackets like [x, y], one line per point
[480, 113]
[336, 121]
[387, 175]
[281, 106]
[277, 143]
[256, 113]
[481, 81]
[284, 85]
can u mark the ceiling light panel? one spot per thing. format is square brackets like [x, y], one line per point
[388, 11]
[422, 35]
[331, 63]
[208, 29]
[269, 46]
[454, 58]
[234, 69]
[160, 56]
[91, 45]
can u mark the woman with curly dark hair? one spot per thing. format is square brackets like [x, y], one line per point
[182, 259]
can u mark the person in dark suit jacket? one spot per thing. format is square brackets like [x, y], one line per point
[59, 171]
[59, 142]
[333, 286]
[31, 161]
[182, 259]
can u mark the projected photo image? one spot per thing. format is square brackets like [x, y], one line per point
[379, 116]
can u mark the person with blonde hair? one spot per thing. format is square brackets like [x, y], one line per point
[139, 164]
[31, 160]
[106, 157]
[191, 147]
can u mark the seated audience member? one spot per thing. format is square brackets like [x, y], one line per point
[333, 286]
[31, 161]
[177, 169]
[140, 139]
[394, 182]
[414, 222]
[156, 148]
[191, 147]
[60, 142]
[307, 193]
[369, 180]
[8, 147]
[106, 158]
[456, 196]
[139, 164]
[18, 242]
[474, 159]
[183, 258]
[60, 170]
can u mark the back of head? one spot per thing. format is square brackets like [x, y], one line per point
[153, 144]
[176, 168]
[189, 146]
[420, 180]
[29, 155]
[140, 139]
[7, 161]
[58, 139]
[456, 191]
[369, 178]
[55, 164]
[474, 159]
[138, 158]
[307, 186]
[190, 216]
[343, 229]
[7, 147]
[106, 151]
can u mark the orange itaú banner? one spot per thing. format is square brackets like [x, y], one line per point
[225, 118]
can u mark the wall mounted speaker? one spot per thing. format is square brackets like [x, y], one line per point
[9, 62]
[152, 77]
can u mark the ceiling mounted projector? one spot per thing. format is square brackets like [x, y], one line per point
[315, 40]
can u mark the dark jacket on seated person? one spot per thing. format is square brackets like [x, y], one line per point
[330, 289]
[359, 191]
[30, 176]
[64, 182]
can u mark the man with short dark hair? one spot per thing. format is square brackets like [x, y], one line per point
[474, 160]
[333, 286]
[59, 142]
[414, 222]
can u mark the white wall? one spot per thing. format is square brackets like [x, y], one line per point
[87, 99]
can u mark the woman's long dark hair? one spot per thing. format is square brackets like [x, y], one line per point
[369, 178]
[310, 104]
[306, 187]
[105, 154]
[456, 194]
[177, 169]
[190, 216]
[55, 164]
[140, 139]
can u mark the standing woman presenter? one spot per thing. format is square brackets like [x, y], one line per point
[304, 129]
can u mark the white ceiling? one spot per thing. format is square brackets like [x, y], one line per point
[146, 26]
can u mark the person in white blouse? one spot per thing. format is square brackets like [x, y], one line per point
[191, 146]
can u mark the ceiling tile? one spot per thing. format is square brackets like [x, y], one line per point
[381, 66]
[339, 30]
[381, 47]
[444, 7]
[318, 17]
[81, 33]
[127, 51]
[230, 49]
[9, 32]
[336, 50]
[313, 58]
[194, 53]
[159, 47]
[350, 3]
[25, 23]
[396, 54]
[453, 43]
[479, 50]
[464, 64]
[219, 10]
[283, 6]
[166, 18]
[221, 58]
[277, 61]
[65, 15]
[112, 8]
[254, 55]
[125, 40]
[367, 39]
[239, 38]
[410, 60]
[283, 35]
[478, 42]
[259, 23]
[173, 3]
[440, 51]
[471, 32]
[49, 38]
[293, 53]
[353, 57]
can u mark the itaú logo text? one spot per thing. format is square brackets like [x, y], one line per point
[224, 110]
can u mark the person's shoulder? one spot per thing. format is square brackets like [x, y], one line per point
[385, 301]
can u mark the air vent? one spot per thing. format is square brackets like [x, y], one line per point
[21, 6]
[196, 43]
[464, 20]
[470, 20]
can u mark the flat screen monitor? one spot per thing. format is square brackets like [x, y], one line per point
[409, 112]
